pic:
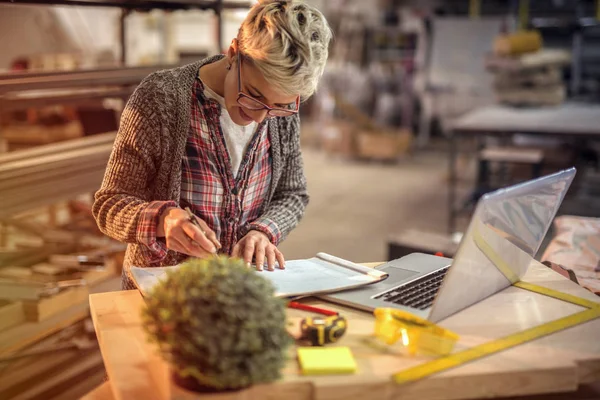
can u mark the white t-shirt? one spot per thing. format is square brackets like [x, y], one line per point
[237, 137]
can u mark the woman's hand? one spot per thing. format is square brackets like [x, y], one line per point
[184, 236]
[256, 244]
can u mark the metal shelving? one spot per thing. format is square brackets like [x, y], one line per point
[141, 5]
[128, 6]
[37, 89]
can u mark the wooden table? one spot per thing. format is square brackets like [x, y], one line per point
[571, 122]
[557, 363]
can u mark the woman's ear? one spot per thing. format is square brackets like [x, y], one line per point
[232, 51]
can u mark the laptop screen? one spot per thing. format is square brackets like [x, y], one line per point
[504, 235]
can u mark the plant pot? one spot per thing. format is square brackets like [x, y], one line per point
[192, 385]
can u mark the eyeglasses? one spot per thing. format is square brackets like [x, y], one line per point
[251, 103]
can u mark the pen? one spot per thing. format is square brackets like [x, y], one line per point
[306, 307]
[194, 221]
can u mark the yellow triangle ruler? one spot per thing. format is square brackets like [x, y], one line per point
[495, 346]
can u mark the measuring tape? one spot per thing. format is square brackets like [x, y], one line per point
[320, 331]
[495, 346]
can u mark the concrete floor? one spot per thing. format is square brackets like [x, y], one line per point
[356, 206]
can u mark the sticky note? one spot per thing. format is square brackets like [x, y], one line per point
[326, 360]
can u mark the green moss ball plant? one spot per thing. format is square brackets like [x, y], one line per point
[218, 325]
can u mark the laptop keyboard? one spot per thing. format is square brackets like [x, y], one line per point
[418, 293]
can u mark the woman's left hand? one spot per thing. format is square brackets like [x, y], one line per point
[258, 246]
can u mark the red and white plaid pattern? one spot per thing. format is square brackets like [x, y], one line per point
[155, 249]
[231, 206]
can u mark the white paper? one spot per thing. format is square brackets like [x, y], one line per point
[300, 277]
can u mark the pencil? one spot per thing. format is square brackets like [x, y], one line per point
[306, 307]
[194, 221]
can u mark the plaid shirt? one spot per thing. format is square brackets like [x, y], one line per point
[230, 205]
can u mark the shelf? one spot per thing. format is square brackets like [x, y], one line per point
[8, 75]
[141, 5]
[35, 99]
[564, 23]
[77, 78]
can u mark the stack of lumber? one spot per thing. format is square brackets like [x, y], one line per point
[45, 175]
[526, 74]
[21, 90]
[26, 136]
[48, 348]
[39, 283]
[59, 104]
[64, 365]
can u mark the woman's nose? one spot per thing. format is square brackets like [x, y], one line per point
[259, 115]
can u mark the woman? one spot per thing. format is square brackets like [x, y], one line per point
[220, 137]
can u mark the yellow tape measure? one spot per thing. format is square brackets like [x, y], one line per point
[495, 346]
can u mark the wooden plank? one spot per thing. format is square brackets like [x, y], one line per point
[23, 335]
[93, 278]
[48, 270]
[11, 314]
[37, 309]
[61, 147]
[42, 309]
[73, 79]
[27, 180]
[8, 255]
[21, 370]
[35, 134]
[79, 98]
[49, 193]
[91, 386]
[64, 159]
[13, 272]
[39, 254]
[64, 190]
[556, 363]
[76, 184]
[102, 392]
[52, 173]
[44, 231]
[16, 380]
[14, 290]
[89, 361]
[26, 198]
[12, 75]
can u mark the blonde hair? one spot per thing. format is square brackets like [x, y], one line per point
[287, 40]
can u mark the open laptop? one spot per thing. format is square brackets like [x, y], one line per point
[504, 234]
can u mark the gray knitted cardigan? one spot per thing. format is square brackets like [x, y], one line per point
[145, 163]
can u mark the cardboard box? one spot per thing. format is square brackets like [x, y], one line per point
[338, 137]
[384, 146]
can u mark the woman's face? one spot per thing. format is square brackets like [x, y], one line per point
[254, 85]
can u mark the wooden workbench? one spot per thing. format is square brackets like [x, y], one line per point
[575, 123]
[557, 363]
[564, 121]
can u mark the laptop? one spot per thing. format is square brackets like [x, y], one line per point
[504, 234]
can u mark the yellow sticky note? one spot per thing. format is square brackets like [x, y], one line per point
[326, 360]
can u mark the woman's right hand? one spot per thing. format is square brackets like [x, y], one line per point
[183, 236]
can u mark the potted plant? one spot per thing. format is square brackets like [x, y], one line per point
[218, 324]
